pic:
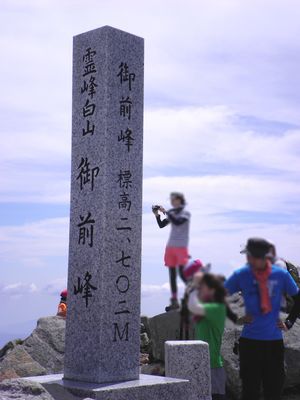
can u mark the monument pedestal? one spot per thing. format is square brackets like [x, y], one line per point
[145, 388]
[188, 378]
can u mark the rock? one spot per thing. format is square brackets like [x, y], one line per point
[231, 363]
[22, 390]
[145, 325]
[144, 358]
[236, 303]
[145, 343]
[40, 354]
[46, 344]
[292, 355]
[19, 363]
[163, 327]
[10, 346]
[157, 368]
[8, 373]
[143, 329]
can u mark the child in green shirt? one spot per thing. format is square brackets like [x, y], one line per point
[207, 303]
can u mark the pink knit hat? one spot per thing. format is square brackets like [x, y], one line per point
[191, 268]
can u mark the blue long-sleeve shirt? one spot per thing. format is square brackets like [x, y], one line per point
[263, 326]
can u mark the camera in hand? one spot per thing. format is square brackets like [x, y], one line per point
[155, 208]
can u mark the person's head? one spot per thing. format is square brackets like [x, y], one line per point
[64, 295]
[211, 289]
[258, 252]
[177, 199]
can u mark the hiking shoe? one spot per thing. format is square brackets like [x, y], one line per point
[173, 306]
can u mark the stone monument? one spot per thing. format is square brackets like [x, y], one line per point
[103, 320]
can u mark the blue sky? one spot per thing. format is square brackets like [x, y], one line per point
[221, 124]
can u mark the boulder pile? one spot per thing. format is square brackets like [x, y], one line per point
[43, 353]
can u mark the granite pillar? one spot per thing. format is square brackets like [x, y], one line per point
[190, 360]
[103, 319]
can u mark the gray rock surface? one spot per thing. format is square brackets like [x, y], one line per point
[231, 362]
[22, 390]
[155, 368]
[161, 328]
[292, 356]
[41, 353]
[46, 344]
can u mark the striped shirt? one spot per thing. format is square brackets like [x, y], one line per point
[179, 219]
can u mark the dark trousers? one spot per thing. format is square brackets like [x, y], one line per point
[218, 397]
[173, 277]
[262, 365]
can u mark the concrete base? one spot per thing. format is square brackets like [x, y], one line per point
[148, 387]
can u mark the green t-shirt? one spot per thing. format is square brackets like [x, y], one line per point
[210, 329]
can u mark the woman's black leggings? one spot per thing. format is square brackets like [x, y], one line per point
[173, 277]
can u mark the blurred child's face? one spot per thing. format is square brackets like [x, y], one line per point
[175, 202]
[206, 294]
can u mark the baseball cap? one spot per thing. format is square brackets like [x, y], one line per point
[257, 248]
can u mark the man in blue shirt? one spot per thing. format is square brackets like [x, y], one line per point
[261, 344]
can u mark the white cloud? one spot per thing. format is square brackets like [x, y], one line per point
[190, 138]
[242, 54]
[149, 290]
[37, 240]
[216, 232]
[223, 193]
[56, 286]
[18, 289]
[193, 140]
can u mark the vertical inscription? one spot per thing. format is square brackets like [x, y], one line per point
[86, 169]
[124, 182]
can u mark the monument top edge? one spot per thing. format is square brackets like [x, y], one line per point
[107, 28]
